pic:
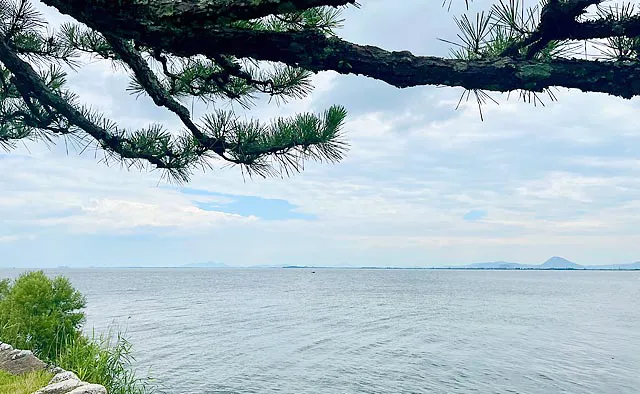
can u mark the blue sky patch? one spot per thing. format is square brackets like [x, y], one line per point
[474, 215]
[264, 208]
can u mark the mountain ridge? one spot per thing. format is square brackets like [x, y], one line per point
[553, 263]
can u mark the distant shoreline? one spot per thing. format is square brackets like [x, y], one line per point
[333, 268]
[466, 269]
[555, 263]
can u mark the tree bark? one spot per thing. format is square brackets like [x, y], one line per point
[316, 52]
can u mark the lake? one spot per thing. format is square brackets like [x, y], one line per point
[373, 331]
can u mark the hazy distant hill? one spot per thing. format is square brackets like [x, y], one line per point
[560, 263]
[554, 263]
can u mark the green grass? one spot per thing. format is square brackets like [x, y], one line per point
[104, 360]
[23, 384]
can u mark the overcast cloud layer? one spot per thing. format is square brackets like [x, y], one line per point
[423, 184]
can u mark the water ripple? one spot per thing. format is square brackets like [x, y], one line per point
[374, 331]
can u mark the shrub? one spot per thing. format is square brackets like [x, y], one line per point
[40, 314]
[4, 288]
[45, 315]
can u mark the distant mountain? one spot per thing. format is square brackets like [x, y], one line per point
[560, 263]
[554, 263]
[208, 264]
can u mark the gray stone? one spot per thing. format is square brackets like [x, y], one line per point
[18, 354]
[5, 347]
[17, 362]
[89, 389]
[55, 370]
[62, 376]
[61, 387]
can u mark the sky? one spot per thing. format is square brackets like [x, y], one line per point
[423, 184]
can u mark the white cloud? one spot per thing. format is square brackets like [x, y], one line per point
[566, 186]
[14, 238]
[614, 163]
[560, 179]
[109, 215]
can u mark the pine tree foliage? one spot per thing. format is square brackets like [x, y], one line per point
[35, 103]
[544, 32]
[237, 51]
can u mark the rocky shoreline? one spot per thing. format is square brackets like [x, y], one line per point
[17, 362]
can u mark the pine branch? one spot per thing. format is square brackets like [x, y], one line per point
[204, 14]
[206, 79]
[250, 142]
[81, 39]
[280, 82]
[29, 84]
[286, 143]
[600, 28]
[145, 76]
[220, 11]
[555, 17]
[317, 52]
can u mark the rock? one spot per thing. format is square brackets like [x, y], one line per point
[89, 389]
[68, 383]
[62, 376]
[18, 354]
[61, 387]
[17, 362]
[55, 370]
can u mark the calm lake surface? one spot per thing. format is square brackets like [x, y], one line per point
[373, 331]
